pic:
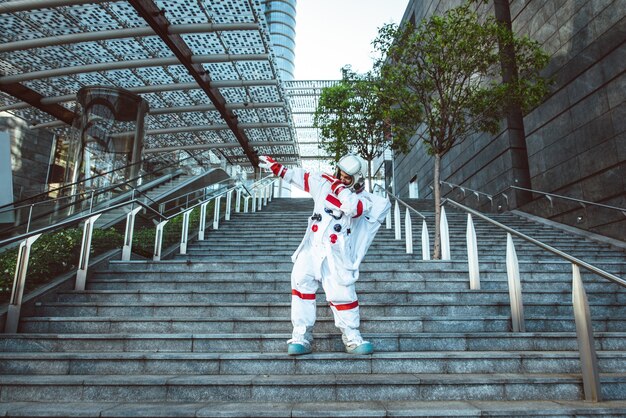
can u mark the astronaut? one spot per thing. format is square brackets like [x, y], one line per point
[343, 224]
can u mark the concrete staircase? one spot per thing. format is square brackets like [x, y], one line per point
[204, 334]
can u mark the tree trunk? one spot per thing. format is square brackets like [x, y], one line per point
[437, 192]
[514, 117]
[369, 176]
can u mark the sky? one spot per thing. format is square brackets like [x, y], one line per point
[333, 33]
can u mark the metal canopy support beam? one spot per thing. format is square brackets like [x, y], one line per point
[195, 61]
[205, 108]
[151, 89]
[200, 128]
[121, 33]
[213, 146]
[149, 11]
[27, 5]
[34, 99]
[183, 109]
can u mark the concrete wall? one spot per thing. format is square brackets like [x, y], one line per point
[575, 140]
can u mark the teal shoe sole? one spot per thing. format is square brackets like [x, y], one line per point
[365, 348]
[298, 349]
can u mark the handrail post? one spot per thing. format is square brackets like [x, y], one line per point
[216, 212]
[472, 254]
[229, 202]
[158, 240]
[444, 235]
[515, 287]
[202, 226]
[388, 220]
[408, 232]
[30, 216]
[396, 220]
[19, 280]
[245, 204]
[184, 235]
[584, 335]
[128, 235]
[85, 249]
[254, 202]
[266, 194]
[425, 241]
[238, 201]
[260, 196]
[271, 189]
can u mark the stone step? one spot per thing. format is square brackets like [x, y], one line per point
[395, 324]
[560, 408]
[227, 364]
[288, 388]
[456, 234]
[266, 309]
[324, 342]
[268, 234]
[200, 281]
[198, 254]
[270, 296]
[281, 264]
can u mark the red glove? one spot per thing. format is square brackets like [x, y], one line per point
[337, 187]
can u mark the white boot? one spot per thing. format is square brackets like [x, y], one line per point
[355, 344]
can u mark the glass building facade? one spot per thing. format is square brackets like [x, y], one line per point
[281, 19]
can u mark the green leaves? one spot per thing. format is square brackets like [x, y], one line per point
[446, 73]
[350, 116]
[54, 254]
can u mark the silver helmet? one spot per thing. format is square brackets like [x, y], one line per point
[354, 166]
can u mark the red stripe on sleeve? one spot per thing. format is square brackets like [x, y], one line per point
[345, 306]
[306, 182]
[305, 296]
[332, 199]
[359, 209]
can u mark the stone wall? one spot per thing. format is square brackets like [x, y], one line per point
[575, 140]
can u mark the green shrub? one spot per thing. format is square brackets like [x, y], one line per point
[58, 252]
[52, 255]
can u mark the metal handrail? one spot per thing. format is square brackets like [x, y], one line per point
[77, 219]
[27, 239]
[192, 192]
[73, 220]
[572, 259]
[65, 186]
[477, 193]
[91, 192]
[549, 196]
[581, 201]
[399, 200]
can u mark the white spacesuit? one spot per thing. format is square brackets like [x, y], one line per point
[344, 221]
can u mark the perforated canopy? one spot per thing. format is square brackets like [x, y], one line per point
[205, 67]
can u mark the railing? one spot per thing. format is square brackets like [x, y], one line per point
[262, 188]
[60, 189]
[408, 227]
[581, 202]
[42, 207]
[582, 317]
[548, 196]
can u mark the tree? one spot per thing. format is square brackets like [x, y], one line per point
[350, 117]
[444, 80]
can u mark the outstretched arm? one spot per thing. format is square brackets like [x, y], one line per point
[296, 176]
